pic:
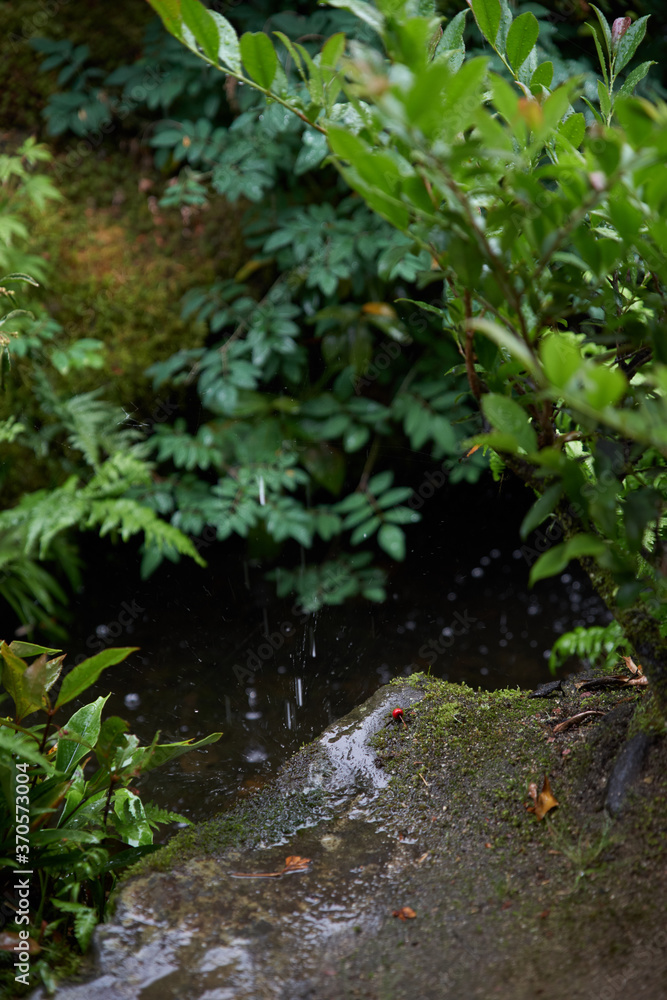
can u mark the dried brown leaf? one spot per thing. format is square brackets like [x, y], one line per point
[405, 913]
[544, 802]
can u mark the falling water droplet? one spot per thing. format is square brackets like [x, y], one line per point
[313, 651]
[262, 497]
[288, 714]
[299, 691]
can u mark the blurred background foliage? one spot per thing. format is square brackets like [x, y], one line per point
[217, 347]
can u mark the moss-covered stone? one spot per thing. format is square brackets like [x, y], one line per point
[505, 905]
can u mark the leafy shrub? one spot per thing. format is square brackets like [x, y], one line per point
[88, 455]
[70, 816]
[546, 230]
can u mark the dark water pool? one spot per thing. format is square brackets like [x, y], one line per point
[220, 652]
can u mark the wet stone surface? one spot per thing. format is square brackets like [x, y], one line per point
[430, 817]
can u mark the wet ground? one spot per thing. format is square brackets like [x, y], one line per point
[220, 652]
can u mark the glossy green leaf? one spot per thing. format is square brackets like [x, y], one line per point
[573, 129]
[84, 674]
[229, 49]
[555, 560]
[199, 21]
[606, 30]
[521, 39]
[629, 42]
[85, 726]
[543, 76]
[635, 77]
[259, 57]
[487, 14]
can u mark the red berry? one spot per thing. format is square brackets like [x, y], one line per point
[397, 713]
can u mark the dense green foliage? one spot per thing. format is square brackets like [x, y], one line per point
[70, 816]
[546, 235]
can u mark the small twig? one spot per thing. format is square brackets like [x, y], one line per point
[575, 720]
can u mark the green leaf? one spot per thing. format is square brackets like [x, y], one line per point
[30, 648]
[86, 673]
[573, 129]
[606, 30]
[229, 50]
[85, 725]
[508, 417]
[604, 99]
[148, 758]
[391, 538]
[362, 10]
[85, 920]
[451, 48]
[380, 482]
[505, 339]
[629, 43]
[561, 359]
[170, 13]
[556, 559]
[543, 506]
[259, 57]
[198, 19]
[130, 819]
[635, 77]
[521, 39]
[487, 14]
[543, 76]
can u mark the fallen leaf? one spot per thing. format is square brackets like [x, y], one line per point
[544, 802]
[295, 864]
[405, 913]
[424, 856]
[292, 864]
[575, 720]
[633, 667]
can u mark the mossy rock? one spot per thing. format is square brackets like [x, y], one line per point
[427, 876]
